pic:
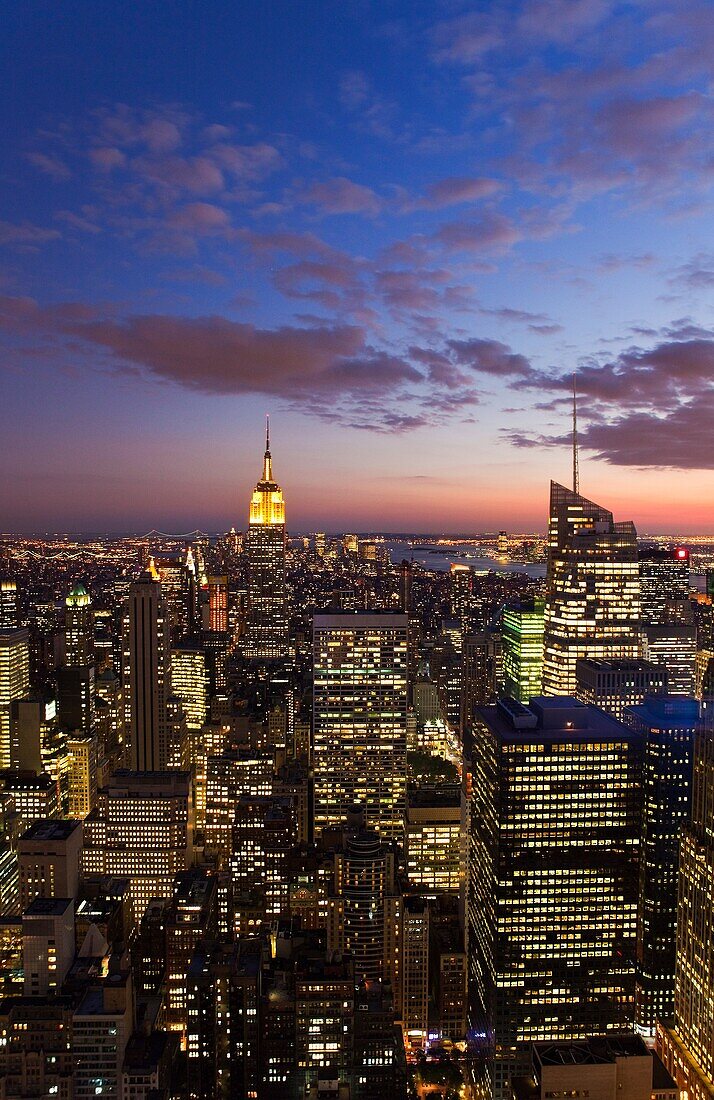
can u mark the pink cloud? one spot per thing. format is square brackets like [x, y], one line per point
[202, 218]
[454, 191]
[107, 158]
[343, 196]
[25, 233]
[50, 165]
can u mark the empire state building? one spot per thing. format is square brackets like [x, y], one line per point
[267, 634]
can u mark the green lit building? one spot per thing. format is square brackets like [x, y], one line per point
[522, 643]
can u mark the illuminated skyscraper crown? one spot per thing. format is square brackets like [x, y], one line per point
[267, 506]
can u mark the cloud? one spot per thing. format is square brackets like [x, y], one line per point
[680, 440]
[697, 273]
[106, 158]
[202, 218]
[25, 233]
[454, 191]
[343, 196]
[50, 165]
[490, 357]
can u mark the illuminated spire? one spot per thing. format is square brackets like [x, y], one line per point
[267, 459]
[267, 505]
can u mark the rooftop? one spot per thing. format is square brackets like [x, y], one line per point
[552, 718]
[48, 907]
[56, 829]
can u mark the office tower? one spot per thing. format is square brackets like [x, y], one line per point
[606, 1067]
[35, 797]
[433, 838]
[230, 776]
[141, 829]
[29, 729]
[446, 666]
[554, 822]
[406, 577]
[665, 583]
[380, 1068]
[613, 686]
[189, 683]
[82, 755]
[267, 633]
[360, 718]
[149, 1065]
[8, 606]
[222, 989]
[350, 544]
[35, 1047]
[47, 944]
[686, 1044]
[76, 705]
[147, 675]
[502, 544]
[320, 544]
[177, 576]
[669, 632]
[109, 710]
[667, 726]
[14, 684]
[48, 857]
[452, 985]
[365, 907]
[674, 645]
[324, 1016]
[190, 916]
[522, 626]
[592, 606]
[460, 593]
[481, 658]
[78, 628]
[415, 972]
[263, 835]
[218, 604]
[101, 1028]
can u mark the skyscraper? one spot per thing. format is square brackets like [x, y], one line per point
[267, 633]
[522, 642]
[14, 684]
[667, 725]
[592, 606]
[554, 823]
[78, 628]
[687, 1046]
[665, 582]
[615, 685]
[218, 604]
[360, 718]
[147, 673]
[8, 605]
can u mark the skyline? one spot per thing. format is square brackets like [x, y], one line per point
[396, 227]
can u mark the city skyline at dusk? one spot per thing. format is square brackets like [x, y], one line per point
[397, 228]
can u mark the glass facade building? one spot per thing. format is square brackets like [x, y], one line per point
[592, 606]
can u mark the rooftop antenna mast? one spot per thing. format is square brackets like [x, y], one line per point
[576, 471]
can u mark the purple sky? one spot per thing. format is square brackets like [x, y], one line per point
[396, 226]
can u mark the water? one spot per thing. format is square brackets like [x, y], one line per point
[463, 554]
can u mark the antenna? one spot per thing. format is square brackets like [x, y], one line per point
[267, 431]
[576, 472]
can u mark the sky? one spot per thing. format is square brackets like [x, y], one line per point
[396, 226]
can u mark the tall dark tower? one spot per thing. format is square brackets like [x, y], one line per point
[147, 675]
[75, 680]
[267, 634]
